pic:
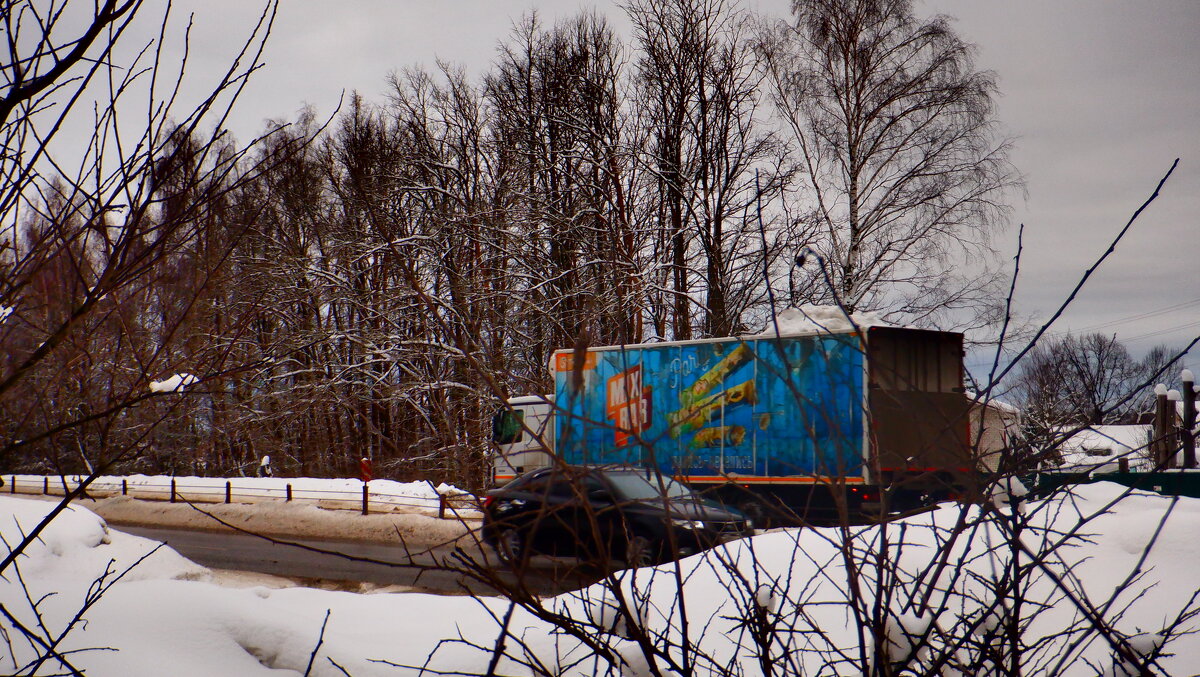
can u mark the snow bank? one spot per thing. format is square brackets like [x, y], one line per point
[814, 319]
[796, 577]
[302, 487]
[818, 635]
[59, 573]
[78, 543]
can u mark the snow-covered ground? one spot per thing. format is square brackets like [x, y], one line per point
[159, 613]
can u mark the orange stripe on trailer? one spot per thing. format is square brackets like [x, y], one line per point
[940, 469]
[719, 479]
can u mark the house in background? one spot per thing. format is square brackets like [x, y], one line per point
[1101, 448]
[995, 425]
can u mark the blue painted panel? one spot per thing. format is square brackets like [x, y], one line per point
[759, 408]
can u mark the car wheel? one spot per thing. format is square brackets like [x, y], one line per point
[510, 546]
[640, 552]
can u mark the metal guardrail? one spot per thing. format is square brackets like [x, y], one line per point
[1172, 482]
[448, 506]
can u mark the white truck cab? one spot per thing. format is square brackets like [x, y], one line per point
[523, 432]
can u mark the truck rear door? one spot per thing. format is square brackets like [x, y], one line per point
[918, 409]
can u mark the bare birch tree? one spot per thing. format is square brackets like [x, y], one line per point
[895, 131]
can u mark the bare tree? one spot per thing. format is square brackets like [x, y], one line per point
[557, 106]
[121, 241]
[1087, 380]
[895, 133]
[113, 205]
[712, 162]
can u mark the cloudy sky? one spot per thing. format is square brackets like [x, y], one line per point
[1101, 96]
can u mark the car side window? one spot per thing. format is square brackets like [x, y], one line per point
[536, 484]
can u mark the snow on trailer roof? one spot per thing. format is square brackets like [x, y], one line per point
[814, 319]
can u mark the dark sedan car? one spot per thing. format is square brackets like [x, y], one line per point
[602, 514]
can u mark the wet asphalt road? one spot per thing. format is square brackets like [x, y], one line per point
[346, 563]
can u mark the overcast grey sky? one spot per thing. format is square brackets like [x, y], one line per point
[1102, 95]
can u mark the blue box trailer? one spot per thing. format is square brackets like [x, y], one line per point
[814, 426]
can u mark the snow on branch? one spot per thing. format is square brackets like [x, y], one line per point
[174, 384]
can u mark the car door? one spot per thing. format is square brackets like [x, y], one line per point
[557, 518]
[597, 519]
[578, 516]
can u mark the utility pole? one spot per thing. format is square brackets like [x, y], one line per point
[1188, 429]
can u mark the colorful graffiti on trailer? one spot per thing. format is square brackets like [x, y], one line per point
[760, 407]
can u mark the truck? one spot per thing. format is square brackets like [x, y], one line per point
[806, 426]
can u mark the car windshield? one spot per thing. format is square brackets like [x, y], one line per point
[637, 487]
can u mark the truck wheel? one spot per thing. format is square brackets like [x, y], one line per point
[640, 552]
[510, 547]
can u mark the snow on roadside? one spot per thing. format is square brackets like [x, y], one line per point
[336, 492]
[165, 613]
[73, 553]
[277, 518]
[201, 629]
[78, 543]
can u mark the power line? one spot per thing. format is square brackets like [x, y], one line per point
[1161, 332]
[1061, 333]
[1142, 316]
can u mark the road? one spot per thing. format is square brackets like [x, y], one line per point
[383, 564]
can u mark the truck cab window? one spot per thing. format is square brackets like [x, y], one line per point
[508, 426]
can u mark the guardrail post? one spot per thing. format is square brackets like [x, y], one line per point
[124, 487]
[1123, 465]
[172, 489]
[228, 491]
[45, 485]
[289, 493]
[12, 488]
[364, 511]
[442, 506]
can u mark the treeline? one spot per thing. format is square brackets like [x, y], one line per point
[369, 287]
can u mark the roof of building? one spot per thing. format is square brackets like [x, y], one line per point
[992, 401]
[1101, 447]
